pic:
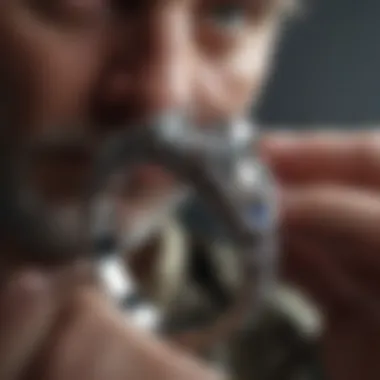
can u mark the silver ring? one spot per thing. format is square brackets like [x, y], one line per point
[223, 171]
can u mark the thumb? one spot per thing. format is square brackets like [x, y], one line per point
[26, 316]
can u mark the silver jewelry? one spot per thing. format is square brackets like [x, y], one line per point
[221, 169]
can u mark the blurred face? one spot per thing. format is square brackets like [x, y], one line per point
[81, 68]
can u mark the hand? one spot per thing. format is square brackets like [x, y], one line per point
[46, 333]
[331, 230]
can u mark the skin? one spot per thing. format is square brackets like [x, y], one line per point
[83, 70]
[74, 68]
[80, 70]
[331, 210]
[80, 336]
[322, 202]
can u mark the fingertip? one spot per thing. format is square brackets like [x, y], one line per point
[277, 143]
[25, 317]
[24, 289]
[31, 280]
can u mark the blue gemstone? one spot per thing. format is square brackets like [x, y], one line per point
[258, 215]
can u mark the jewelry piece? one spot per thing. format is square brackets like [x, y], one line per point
[223, 179]
[235, 197]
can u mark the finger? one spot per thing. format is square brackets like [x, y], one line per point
[97, 342]
[338, 211]
[310, 265]
[360, 262]
[351, 348]
[26, 310]
[345, 222]
[350, 158]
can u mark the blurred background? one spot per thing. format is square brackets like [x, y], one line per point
[328, 69]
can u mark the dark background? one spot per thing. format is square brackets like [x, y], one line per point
[328, 67]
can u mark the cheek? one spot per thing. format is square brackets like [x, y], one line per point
[49, 76]
[228, 87]
[66, 77]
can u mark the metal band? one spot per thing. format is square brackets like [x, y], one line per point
[229, 180]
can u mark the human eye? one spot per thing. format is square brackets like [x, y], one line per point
[234, 15]
[226, 15]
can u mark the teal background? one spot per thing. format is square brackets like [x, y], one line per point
[327, 70]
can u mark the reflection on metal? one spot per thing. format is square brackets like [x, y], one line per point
[220, 170]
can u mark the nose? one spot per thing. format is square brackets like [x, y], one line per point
[153, 73]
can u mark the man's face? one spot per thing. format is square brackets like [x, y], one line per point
[81, 67]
